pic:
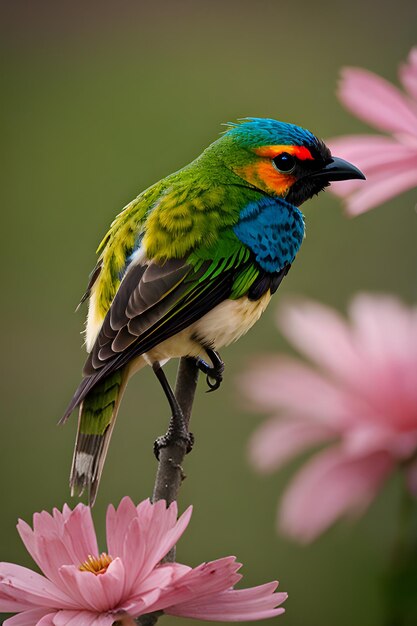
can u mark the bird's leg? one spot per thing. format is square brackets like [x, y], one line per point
[177, 430]
[214, 371]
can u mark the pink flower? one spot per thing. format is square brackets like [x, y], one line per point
[80, 587]
[389, 163]
[362, 396]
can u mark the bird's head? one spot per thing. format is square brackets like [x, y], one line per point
[281, 159]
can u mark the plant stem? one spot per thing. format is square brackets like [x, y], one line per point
[170, 474]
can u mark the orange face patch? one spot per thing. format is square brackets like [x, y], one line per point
[265, 176]
[270, 152]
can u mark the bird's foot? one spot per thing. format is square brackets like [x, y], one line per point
[214, 372]
[177, 434]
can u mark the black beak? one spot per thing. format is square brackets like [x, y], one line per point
[338, 169]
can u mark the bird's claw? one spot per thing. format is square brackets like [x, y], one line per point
[173, 438]
[214, 372]
[214, 381]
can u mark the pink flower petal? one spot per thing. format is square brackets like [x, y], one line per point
[48, 530]
[85, 591]
[149, 591]
[9, 604]
[276, 383]
[382, 187]
[161, 577]
[369, 152]
[23, 585]
[377, 102]
[384, 329]
[370, 438]
[96, 593]
[117, 524]
[51, 555]
[82, 618]
[161, 533]
[200, 582]
[112, 583]
[71, 532]
[143, 603]
[28, 537]
[133, 554]
[136, 583]
[328, 487]
[277, 441]
[408, 74]
[234, 605]
[374, 155]
[47, 620]
[46, 524]
[79, 533]
[34, 617]
[321, 334]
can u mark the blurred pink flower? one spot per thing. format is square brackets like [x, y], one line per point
[362, 395]
[82, 588]
[389, 163]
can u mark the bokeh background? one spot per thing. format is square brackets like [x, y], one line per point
[101, 99]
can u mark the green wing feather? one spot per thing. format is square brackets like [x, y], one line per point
[142, 315]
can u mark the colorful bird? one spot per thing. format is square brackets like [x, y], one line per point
[190, 265]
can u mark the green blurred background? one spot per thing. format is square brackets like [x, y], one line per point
[101, 99]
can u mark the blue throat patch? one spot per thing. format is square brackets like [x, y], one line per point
[273, 229]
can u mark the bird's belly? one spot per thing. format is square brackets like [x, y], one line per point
[181, 344]
[223, 325]
[228, 321]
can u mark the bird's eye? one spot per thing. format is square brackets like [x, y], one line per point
[284, 162]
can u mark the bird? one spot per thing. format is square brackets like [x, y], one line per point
[190, 265]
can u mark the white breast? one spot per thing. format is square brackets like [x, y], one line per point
[228, 321]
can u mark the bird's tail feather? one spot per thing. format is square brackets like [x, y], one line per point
[97, 417]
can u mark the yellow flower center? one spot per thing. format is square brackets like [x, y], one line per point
[96, 564]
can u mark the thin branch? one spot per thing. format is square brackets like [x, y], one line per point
[170, 474]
